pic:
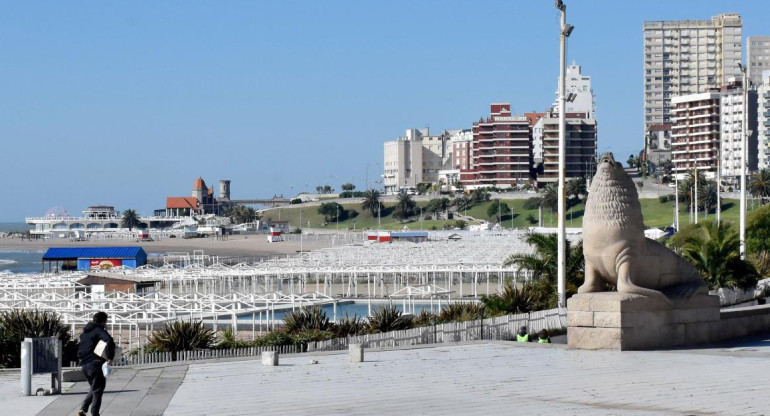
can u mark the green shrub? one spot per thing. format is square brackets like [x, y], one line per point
[181, 336]
[533, 203]
[531, 296]
[303, 338]
[17, 324]
[425, 318]
[388, 318]
[227, 340]
[349, 326]
[313, 318]
[274, 339]
[663, 199]
[531, 219]
[461, 312]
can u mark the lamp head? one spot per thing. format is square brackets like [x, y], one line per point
[560, 5]
[567, 30]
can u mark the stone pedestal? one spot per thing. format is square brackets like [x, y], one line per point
[619, 321]
[356, 353]
[270, 358]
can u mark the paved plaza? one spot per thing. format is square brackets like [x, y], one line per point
[450, 379]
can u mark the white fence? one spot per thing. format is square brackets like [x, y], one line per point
[501, 328]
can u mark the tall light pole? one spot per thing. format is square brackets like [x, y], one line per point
[719, 182]
[744, 134]
[300, 230]
[564, 31]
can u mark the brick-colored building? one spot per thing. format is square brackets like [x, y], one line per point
[695, 133]
[502, 149]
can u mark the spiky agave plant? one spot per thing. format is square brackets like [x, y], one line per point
[181, 336]
[17, 324]
[461, 312]
[425, 318]
[388, 318]
[305, 319]
[515, 299]
[349, 326]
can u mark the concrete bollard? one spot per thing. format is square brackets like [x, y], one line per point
[26, 367]
[270, 358]
[356, 353]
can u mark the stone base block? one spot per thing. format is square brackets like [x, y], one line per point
[611, 320]
[356, 353]
[270, 358]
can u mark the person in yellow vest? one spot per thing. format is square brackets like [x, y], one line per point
[522, 335]
[543, 337]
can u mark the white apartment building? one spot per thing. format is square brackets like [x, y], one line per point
[731, 133]
[757, 57]
[763, 121]
[537, 140]
[579, 85]
[417, 157]
[686, 57]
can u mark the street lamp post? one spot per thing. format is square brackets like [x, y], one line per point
[300, 230]
[564, 31]
[421, 228]
[744, 134]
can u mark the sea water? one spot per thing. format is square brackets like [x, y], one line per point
[356, 308]
[18, 260]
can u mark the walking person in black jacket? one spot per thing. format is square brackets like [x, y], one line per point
[92, 363]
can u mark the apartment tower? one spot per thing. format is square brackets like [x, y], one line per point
[502, 149]
[695, 133]
[757, 57]
[687, 57]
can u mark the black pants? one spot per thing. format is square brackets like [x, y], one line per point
[95, 377]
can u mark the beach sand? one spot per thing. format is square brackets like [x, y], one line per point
[235, 245]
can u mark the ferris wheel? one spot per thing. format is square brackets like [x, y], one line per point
[57, 212]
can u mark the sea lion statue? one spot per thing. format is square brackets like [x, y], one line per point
[616, 250]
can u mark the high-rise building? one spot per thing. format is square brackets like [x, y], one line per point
[581, 140]
[757, 57]
[502, 149]
[577, 86]
[695, 133]
[686, 57]
[763, 121]
[732, 136]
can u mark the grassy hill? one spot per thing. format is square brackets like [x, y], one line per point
[656, 214]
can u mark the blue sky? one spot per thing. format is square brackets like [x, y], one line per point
[127, 103]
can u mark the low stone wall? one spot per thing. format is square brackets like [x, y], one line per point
[611, 320]
[740, 322]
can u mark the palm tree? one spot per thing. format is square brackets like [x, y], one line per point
[759, 185]
[371, 202]
[707, 196]
[687, 188]
[240, 214]
[550, 198]
[544, 262]
[714, 249]
[404, 207]
[576, 187]
[130, 219]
